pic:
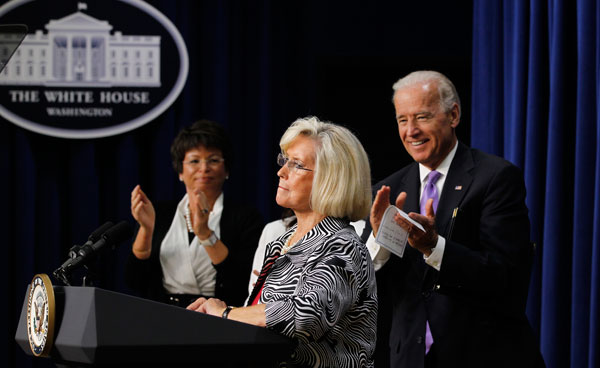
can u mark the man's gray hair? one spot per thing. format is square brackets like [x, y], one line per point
[446, 89]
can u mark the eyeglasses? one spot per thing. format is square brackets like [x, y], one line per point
[212, 162]
[292, 165]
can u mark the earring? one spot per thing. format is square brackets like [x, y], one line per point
[180, 178]
[226, 176]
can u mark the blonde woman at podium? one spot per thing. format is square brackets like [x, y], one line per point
[203, 244]
[317, 282]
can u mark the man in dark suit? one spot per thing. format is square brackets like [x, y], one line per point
[456, 298]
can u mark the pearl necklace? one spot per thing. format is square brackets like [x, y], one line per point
[188, 219]
[288, 244]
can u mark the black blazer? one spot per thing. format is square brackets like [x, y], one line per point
[475, 304]
[241, 227]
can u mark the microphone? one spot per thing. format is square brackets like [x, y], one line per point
[94, 237]
[111, 237]
[86, 252]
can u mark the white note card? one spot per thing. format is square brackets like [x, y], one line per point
[392, 236]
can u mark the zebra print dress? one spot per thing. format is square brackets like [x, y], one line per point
[323, 294]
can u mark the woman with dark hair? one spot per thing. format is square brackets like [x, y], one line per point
[203, 245]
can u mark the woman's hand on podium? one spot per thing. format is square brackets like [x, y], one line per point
[212, 306]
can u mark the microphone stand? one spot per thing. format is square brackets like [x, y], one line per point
[108, 235]
[64, 272]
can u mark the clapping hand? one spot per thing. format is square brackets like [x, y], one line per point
[381, 203]
[142, 209]
[423, 241]
[199, 209]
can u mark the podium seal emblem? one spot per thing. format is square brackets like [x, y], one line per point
[40, 315]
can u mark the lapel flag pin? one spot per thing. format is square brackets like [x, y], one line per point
[458, 187]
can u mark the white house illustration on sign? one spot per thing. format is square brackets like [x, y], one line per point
[79, 50]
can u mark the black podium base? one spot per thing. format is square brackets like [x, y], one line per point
[101, 328]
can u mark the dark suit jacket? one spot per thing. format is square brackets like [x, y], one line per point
[241, 227]
[475, 304]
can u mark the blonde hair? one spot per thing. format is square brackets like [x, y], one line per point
[342, 176]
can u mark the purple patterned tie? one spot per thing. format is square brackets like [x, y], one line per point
[430, 191]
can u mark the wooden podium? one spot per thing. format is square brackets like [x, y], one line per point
[100, 328]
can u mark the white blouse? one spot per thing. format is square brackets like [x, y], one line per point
[187, 268]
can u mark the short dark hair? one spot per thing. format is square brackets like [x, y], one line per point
[205, 133]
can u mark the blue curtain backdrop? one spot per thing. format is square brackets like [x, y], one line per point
[536, 99]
